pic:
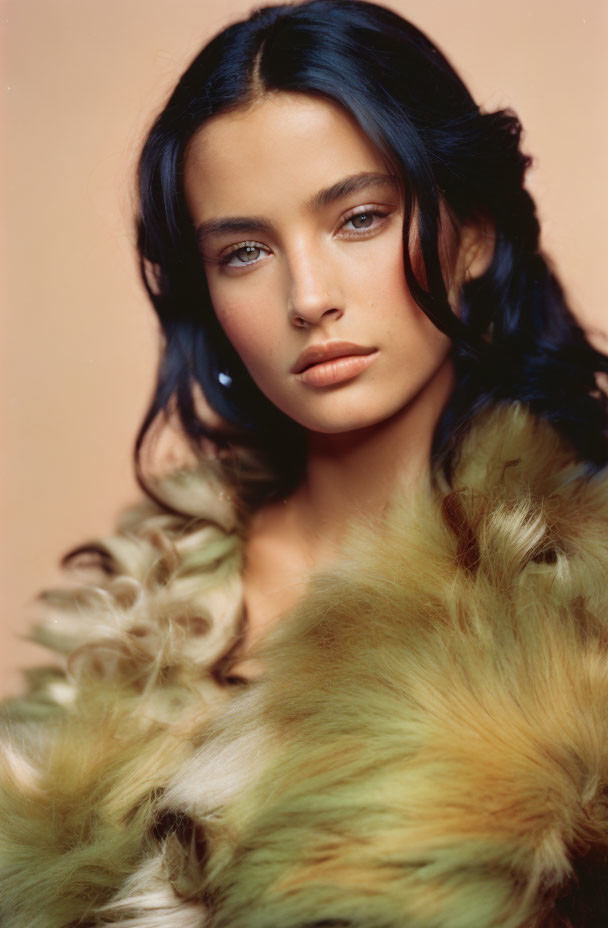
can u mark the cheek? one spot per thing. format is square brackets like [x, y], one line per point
[238, 315]
[253, 330]
[402, 321]
[379, 283]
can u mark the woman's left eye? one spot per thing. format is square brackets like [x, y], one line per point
[364, 220]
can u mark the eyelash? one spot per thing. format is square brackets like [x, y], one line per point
[377, 213]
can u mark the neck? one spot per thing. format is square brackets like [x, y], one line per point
[354, 474]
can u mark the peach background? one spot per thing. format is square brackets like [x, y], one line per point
[81, 80]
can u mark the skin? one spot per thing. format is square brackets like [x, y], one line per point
[309, 275]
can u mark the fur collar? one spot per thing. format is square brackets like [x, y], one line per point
[427, 745]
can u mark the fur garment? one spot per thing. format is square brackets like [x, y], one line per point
[427, 746]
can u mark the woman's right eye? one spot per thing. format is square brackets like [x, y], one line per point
[246, 253]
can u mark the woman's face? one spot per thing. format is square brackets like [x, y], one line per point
[300, 229]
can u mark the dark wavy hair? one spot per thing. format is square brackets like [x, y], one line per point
[515, 339]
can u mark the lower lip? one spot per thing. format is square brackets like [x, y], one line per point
[337, 370]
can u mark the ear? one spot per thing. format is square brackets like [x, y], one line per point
[476, 249]
[471, 256]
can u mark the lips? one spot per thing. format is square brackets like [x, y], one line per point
[316, 354]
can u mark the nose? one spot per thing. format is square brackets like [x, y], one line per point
[313, 289]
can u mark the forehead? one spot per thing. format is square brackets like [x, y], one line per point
[280, 150]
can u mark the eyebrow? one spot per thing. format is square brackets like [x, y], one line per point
[323, 198]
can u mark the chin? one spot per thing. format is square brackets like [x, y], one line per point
[350, 420]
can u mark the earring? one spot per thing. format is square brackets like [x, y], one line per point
[225, 379]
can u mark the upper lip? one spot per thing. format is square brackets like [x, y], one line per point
[314, 354]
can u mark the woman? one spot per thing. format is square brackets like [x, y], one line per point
[352, 670]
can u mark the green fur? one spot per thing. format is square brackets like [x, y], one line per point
[427, 747]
